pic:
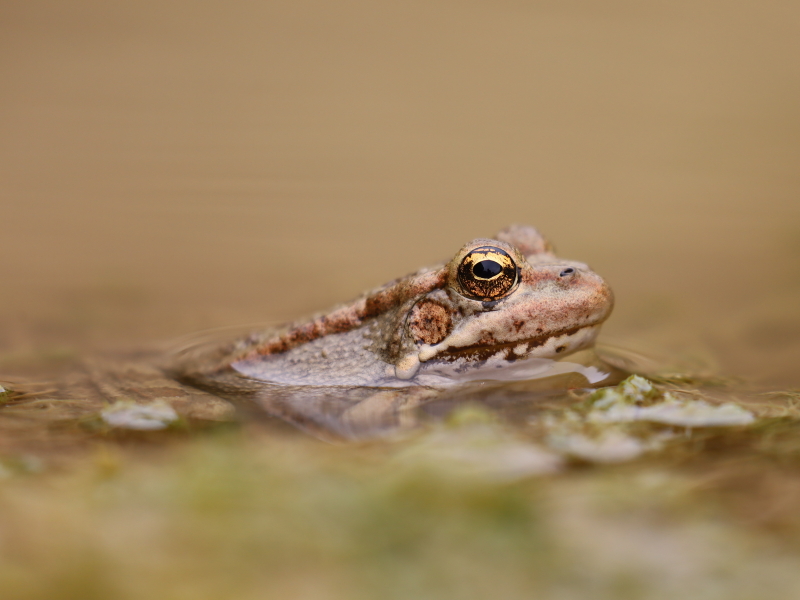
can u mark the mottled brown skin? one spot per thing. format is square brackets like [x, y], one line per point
[393, 295]
[351, 316]
[526, 303]
[553, 298]
[429, 322]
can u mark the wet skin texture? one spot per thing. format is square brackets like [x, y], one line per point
[496, 303]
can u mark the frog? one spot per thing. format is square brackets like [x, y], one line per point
[502, 308]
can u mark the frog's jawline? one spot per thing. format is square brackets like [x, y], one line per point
[475, 364]
[482, 352]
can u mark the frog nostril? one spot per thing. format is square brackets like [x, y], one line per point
[565, 272]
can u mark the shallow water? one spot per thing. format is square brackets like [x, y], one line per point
[173, 168]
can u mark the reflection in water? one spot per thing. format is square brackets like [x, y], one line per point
[355, 412]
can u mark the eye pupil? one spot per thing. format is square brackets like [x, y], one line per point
[487, 273]
[486, 269]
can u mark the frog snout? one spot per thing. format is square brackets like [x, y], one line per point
[573, 277]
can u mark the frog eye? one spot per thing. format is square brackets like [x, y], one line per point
[487, 273]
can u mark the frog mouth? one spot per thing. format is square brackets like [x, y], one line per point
[561, 342]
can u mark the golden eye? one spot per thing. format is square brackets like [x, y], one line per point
[487, 273]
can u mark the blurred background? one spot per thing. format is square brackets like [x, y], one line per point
[173, 166]
[170, 166]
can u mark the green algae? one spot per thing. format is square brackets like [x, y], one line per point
[256, 516]
[471, 506]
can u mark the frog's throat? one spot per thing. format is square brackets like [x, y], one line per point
[558, 343]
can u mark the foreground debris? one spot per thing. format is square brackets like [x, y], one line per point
[604, 428]
[637, 399]
[127, 414]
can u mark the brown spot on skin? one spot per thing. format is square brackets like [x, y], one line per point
[561, 349]
[486, 339]
[429, 322]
